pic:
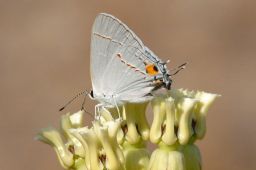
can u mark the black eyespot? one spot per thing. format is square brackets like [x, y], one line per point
[91, 94]
[155, 68]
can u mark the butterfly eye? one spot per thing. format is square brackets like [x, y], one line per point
[151, 69]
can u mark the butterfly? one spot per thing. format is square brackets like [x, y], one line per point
[122, 68]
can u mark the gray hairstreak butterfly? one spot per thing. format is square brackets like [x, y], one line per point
[122, 68]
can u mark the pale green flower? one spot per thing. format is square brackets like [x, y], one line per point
[179, 119]
[52, 137]
[168, 159]
[120, 143]
[132, 135]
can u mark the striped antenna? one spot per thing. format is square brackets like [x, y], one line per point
[179, 68]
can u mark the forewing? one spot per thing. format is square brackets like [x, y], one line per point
[117, 58]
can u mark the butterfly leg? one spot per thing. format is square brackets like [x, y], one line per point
[117, 108]
[97, 111]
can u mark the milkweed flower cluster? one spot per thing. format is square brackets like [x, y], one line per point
[121, 144]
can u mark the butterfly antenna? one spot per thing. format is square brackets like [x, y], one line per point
[79, 94]
[179, 68]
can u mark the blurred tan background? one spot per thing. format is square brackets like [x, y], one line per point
[44, 61]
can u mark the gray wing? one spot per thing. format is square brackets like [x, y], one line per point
[117, 60]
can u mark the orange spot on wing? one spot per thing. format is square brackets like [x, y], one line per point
[151, 69]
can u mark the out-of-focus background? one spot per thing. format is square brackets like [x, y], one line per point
[44, 61]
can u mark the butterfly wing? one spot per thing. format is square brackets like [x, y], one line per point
[118, 60]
